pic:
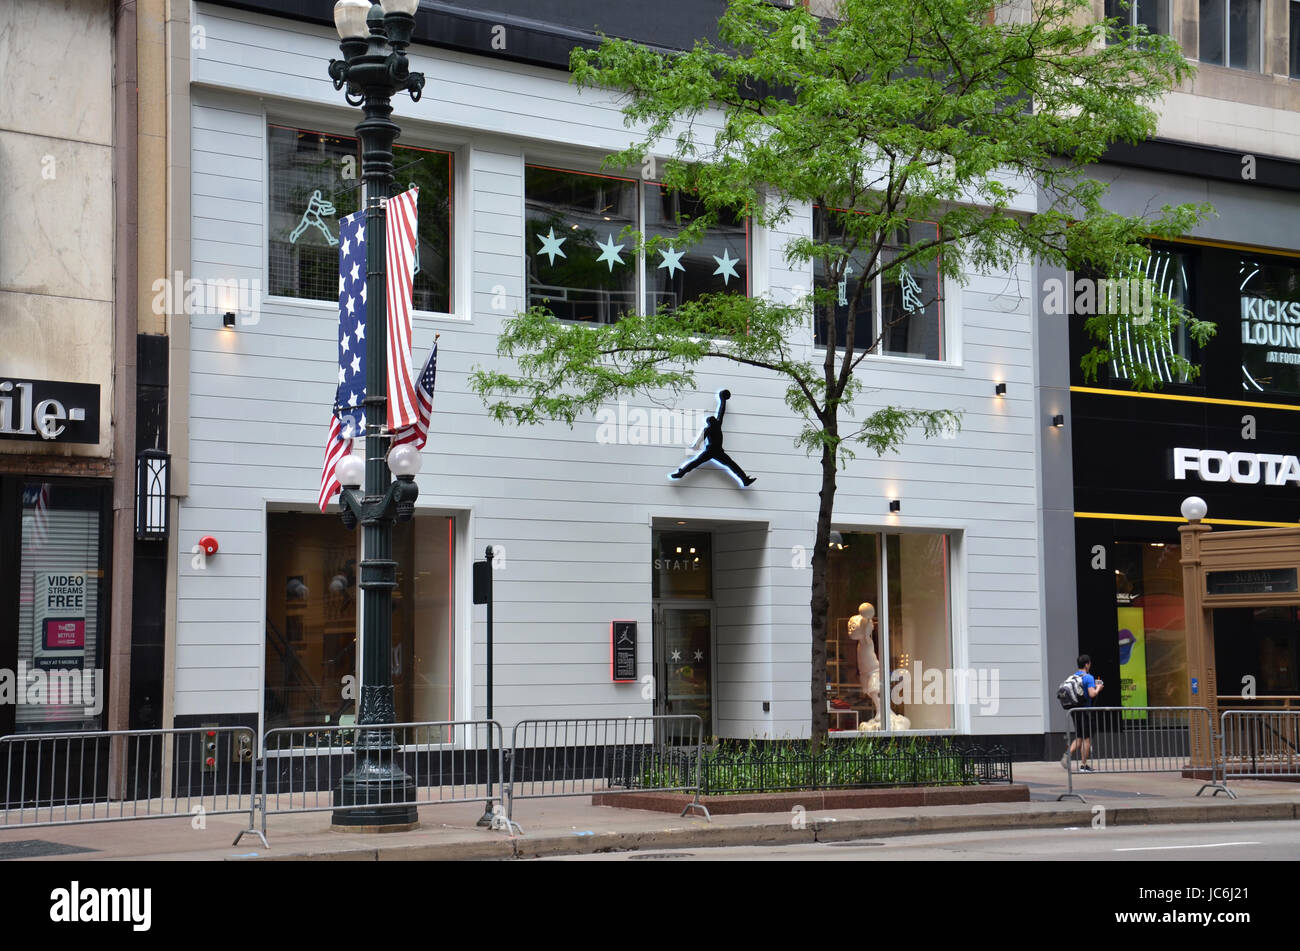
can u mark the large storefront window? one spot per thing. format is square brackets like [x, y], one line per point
[1150, 628]
[896, 648]
[315, 179]
[1270, 326]
[312, 617]
[62, 594]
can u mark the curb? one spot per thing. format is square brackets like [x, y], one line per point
[817, 830]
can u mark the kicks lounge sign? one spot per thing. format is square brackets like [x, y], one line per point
[49, 411]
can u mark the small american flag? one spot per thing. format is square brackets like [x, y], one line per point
[400, 246]
[336, 447]
[418, 433]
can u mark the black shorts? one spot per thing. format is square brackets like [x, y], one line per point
[1082, 724]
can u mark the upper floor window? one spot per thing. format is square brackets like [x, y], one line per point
[910, 304]
[1295, 40]
[578, 265]
[583, 267]
[717, 263]
[1152, 14]
[315, 179]
[1231, 33]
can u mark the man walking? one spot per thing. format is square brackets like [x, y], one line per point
[1082, 722]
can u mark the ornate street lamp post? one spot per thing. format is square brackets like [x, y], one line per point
[374, 38]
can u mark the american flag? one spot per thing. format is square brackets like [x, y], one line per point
[418, 433]
[400, 244]
[348, 420]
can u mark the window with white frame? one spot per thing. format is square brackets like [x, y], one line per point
[1151, 14]
[1232, 33]
[581, 255]
[910, 303]
[315, 179]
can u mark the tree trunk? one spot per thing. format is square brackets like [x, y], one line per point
[820, 604]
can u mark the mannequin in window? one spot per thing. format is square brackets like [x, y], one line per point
[862, 627]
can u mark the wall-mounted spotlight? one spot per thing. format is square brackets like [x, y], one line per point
[228, 319]
[895, 505]
[1000, 389]
[1058, 420]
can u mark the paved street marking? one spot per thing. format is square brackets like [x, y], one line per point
[1162, 848]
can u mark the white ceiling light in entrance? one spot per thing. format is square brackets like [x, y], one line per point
[1194, 508]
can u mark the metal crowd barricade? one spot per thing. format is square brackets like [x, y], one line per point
[1145, 740]
[1261, 744]
[49, 779]
[447, 761]
[606, 755]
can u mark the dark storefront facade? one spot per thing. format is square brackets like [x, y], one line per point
[1230, 436]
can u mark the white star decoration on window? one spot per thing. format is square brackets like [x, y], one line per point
[677, 655]
[699, 656]
[672, 259]
[609, 252]
[551, 245]
[726, 266]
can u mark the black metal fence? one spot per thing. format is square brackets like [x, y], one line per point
[757, 769]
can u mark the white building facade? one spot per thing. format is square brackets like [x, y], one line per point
[585, 526]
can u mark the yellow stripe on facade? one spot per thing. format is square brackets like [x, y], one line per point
[1178, 518]
[1186, 399]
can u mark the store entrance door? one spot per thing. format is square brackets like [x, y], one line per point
[683, 657]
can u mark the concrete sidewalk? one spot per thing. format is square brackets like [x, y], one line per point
[574, 826]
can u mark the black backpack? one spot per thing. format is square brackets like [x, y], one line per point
[1070, 693]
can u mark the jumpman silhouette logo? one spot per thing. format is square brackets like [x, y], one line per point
[711, 436]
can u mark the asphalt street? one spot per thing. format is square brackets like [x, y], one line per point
[1204, 842]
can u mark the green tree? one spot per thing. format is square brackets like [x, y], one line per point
[980, 120]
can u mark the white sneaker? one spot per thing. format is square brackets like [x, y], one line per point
[1065, 761]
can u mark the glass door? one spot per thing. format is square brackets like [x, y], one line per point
[683, 646]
